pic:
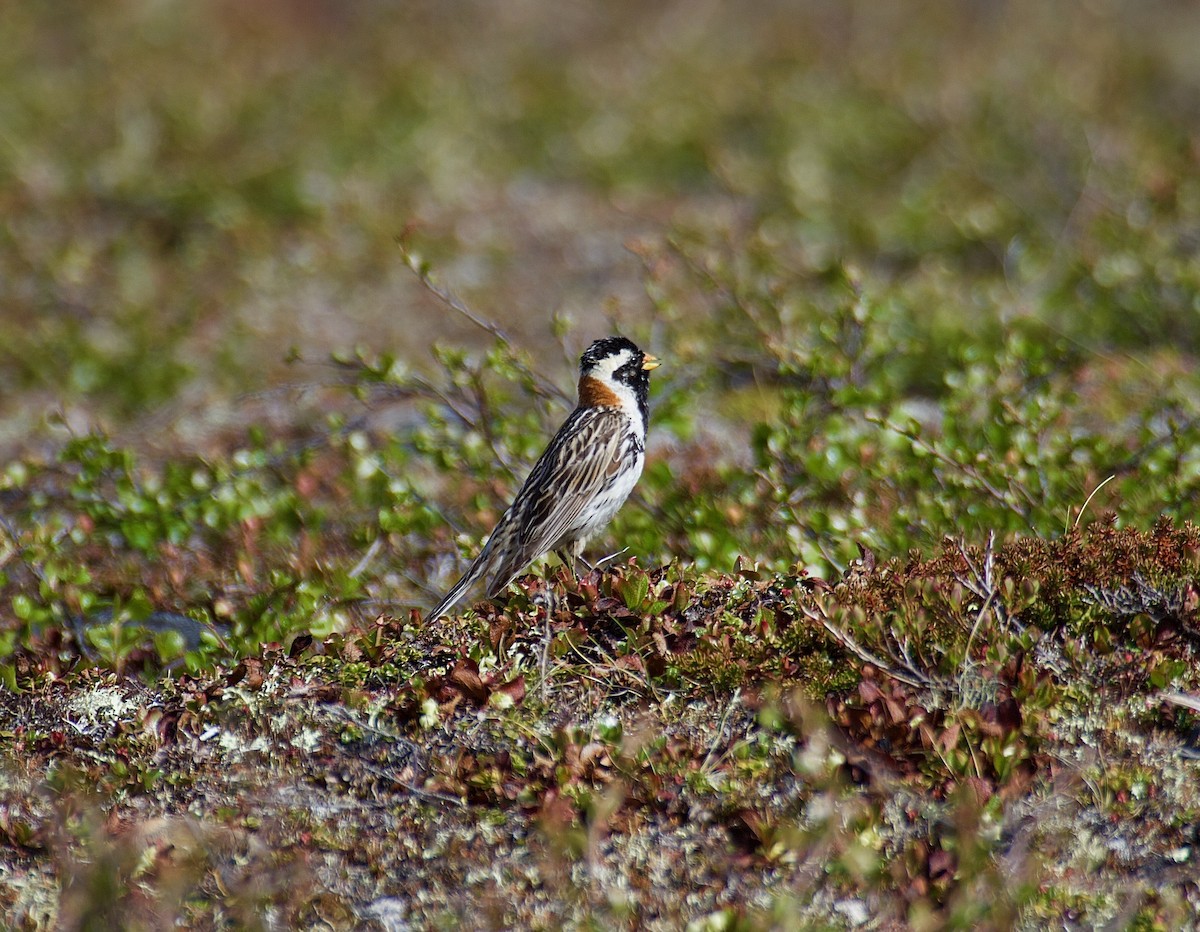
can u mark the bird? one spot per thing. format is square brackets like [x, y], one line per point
[581, 479]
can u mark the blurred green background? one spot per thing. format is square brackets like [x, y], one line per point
[190, 191]
[924, 275]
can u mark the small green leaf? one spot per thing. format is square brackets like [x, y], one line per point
[634, 588]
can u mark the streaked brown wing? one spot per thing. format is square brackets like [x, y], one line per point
[582, 457]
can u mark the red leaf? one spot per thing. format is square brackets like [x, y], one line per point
[868, 691]
[514, 689]
[465, 676]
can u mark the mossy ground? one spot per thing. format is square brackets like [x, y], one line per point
[905, 632]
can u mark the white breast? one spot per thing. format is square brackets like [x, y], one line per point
[611, 497]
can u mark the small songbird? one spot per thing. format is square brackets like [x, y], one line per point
[582, 478]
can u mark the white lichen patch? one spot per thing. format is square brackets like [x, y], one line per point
[235, 745]
[34, 898]
[102, 705]
[308, 739]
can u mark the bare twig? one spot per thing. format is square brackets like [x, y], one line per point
[417, 791]
[452, 301]
[965, 469]
[1135, 459]
[720, 735]
[365, 561]
[978, 583]
[983, 609]
[911, 676]
[1184, 700]
[485, 423]
[544, 659]
[982, 584]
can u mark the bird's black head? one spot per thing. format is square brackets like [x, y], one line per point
[609, 347]
[618, 360]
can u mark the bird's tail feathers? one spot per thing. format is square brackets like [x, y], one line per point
[474, 573]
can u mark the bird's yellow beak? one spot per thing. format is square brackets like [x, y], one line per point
[650, 362]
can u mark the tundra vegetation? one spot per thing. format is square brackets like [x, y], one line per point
[902, 625]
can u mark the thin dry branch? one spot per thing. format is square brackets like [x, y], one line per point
[544, 385]
[909, 676]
